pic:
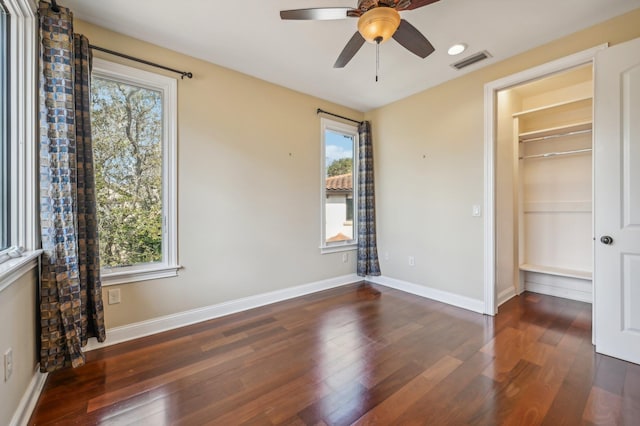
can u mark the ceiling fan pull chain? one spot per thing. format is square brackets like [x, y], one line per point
[377, 58]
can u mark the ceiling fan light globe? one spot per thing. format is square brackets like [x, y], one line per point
[378, 24]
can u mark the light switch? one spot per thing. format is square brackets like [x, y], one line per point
[476, 211]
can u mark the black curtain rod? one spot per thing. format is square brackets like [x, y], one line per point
[183, 74]
[321, 111]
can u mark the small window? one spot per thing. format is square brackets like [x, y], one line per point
[5, 163]
[133, 128]
[338, 188]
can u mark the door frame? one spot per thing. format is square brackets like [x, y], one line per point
[490, 131]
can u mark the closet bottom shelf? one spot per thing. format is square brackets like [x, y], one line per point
[560, 272]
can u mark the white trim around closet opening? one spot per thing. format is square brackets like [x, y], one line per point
[490, 90]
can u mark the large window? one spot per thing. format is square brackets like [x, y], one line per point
[19, 236]
[339, 185]
[133, 127]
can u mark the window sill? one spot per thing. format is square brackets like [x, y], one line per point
[148, 273]
[13, 269]
[338, 248]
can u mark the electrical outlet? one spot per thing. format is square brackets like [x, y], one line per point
[8, 364]
[345, 257]
[412, 261]
[386, 255]
[114, 296]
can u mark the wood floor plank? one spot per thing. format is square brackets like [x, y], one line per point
[114, 397]
[250, 326]
[610, 374]
[352, 356]
[603, 407]
[391, 408]
[267, 404]
[631, 395]
[434, 403]
[537, 394]
[483, 400]
[508, 349]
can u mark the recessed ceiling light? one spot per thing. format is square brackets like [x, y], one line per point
[457, 49]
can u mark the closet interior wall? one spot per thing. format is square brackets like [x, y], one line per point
[544, 187]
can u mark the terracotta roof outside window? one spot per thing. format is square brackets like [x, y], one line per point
[340, 183]
[338, 237]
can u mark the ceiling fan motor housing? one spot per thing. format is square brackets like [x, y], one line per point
[377, 25]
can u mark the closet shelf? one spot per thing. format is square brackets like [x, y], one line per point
[556, 154]
[560, 272]
[554, 132]
[572, 103]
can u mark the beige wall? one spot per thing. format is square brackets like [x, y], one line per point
[248, 183]
[429, 168]
[249, 205]
[17, 331]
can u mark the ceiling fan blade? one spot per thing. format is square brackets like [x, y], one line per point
[349, 50]
[413, 40]
[318, 14]
[414, 4]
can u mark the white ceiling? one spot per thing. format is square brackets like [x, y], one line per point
[249, 36]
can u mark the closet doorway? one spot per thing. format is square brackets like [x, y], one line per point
[538, 193]
[544, 221]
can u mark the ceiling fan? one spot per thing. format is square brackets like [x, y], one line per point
[378, 20]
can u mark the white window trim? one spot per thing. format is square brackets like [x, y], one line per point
[12, 270]
[169, 266]
[351, 130]
[23, 144]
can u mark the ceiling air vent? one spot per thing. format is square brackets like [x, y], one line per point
[470, 60]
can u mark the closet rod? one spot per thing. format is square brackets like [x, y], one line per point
[558, 135]
[553, 154]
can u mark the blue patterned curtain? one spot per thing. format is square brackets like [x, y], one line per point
[367, 245]
[71, 307]
[92, 310]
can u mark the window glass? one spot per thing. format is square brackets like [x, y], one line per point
[5, 164]
[127, 126]
[339, 191]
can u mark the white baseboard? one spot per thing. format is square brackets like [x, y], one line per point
[565, 287]
[29, 399]
[169, 322]
[431, 293]
[505, 295]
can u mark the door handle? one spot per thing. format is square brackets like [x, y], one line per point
[605, 239]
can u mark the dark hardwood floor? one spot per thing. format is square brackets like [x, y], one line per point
[345, 356]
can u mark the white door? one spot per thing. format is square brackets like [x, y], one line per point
[617, 201]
